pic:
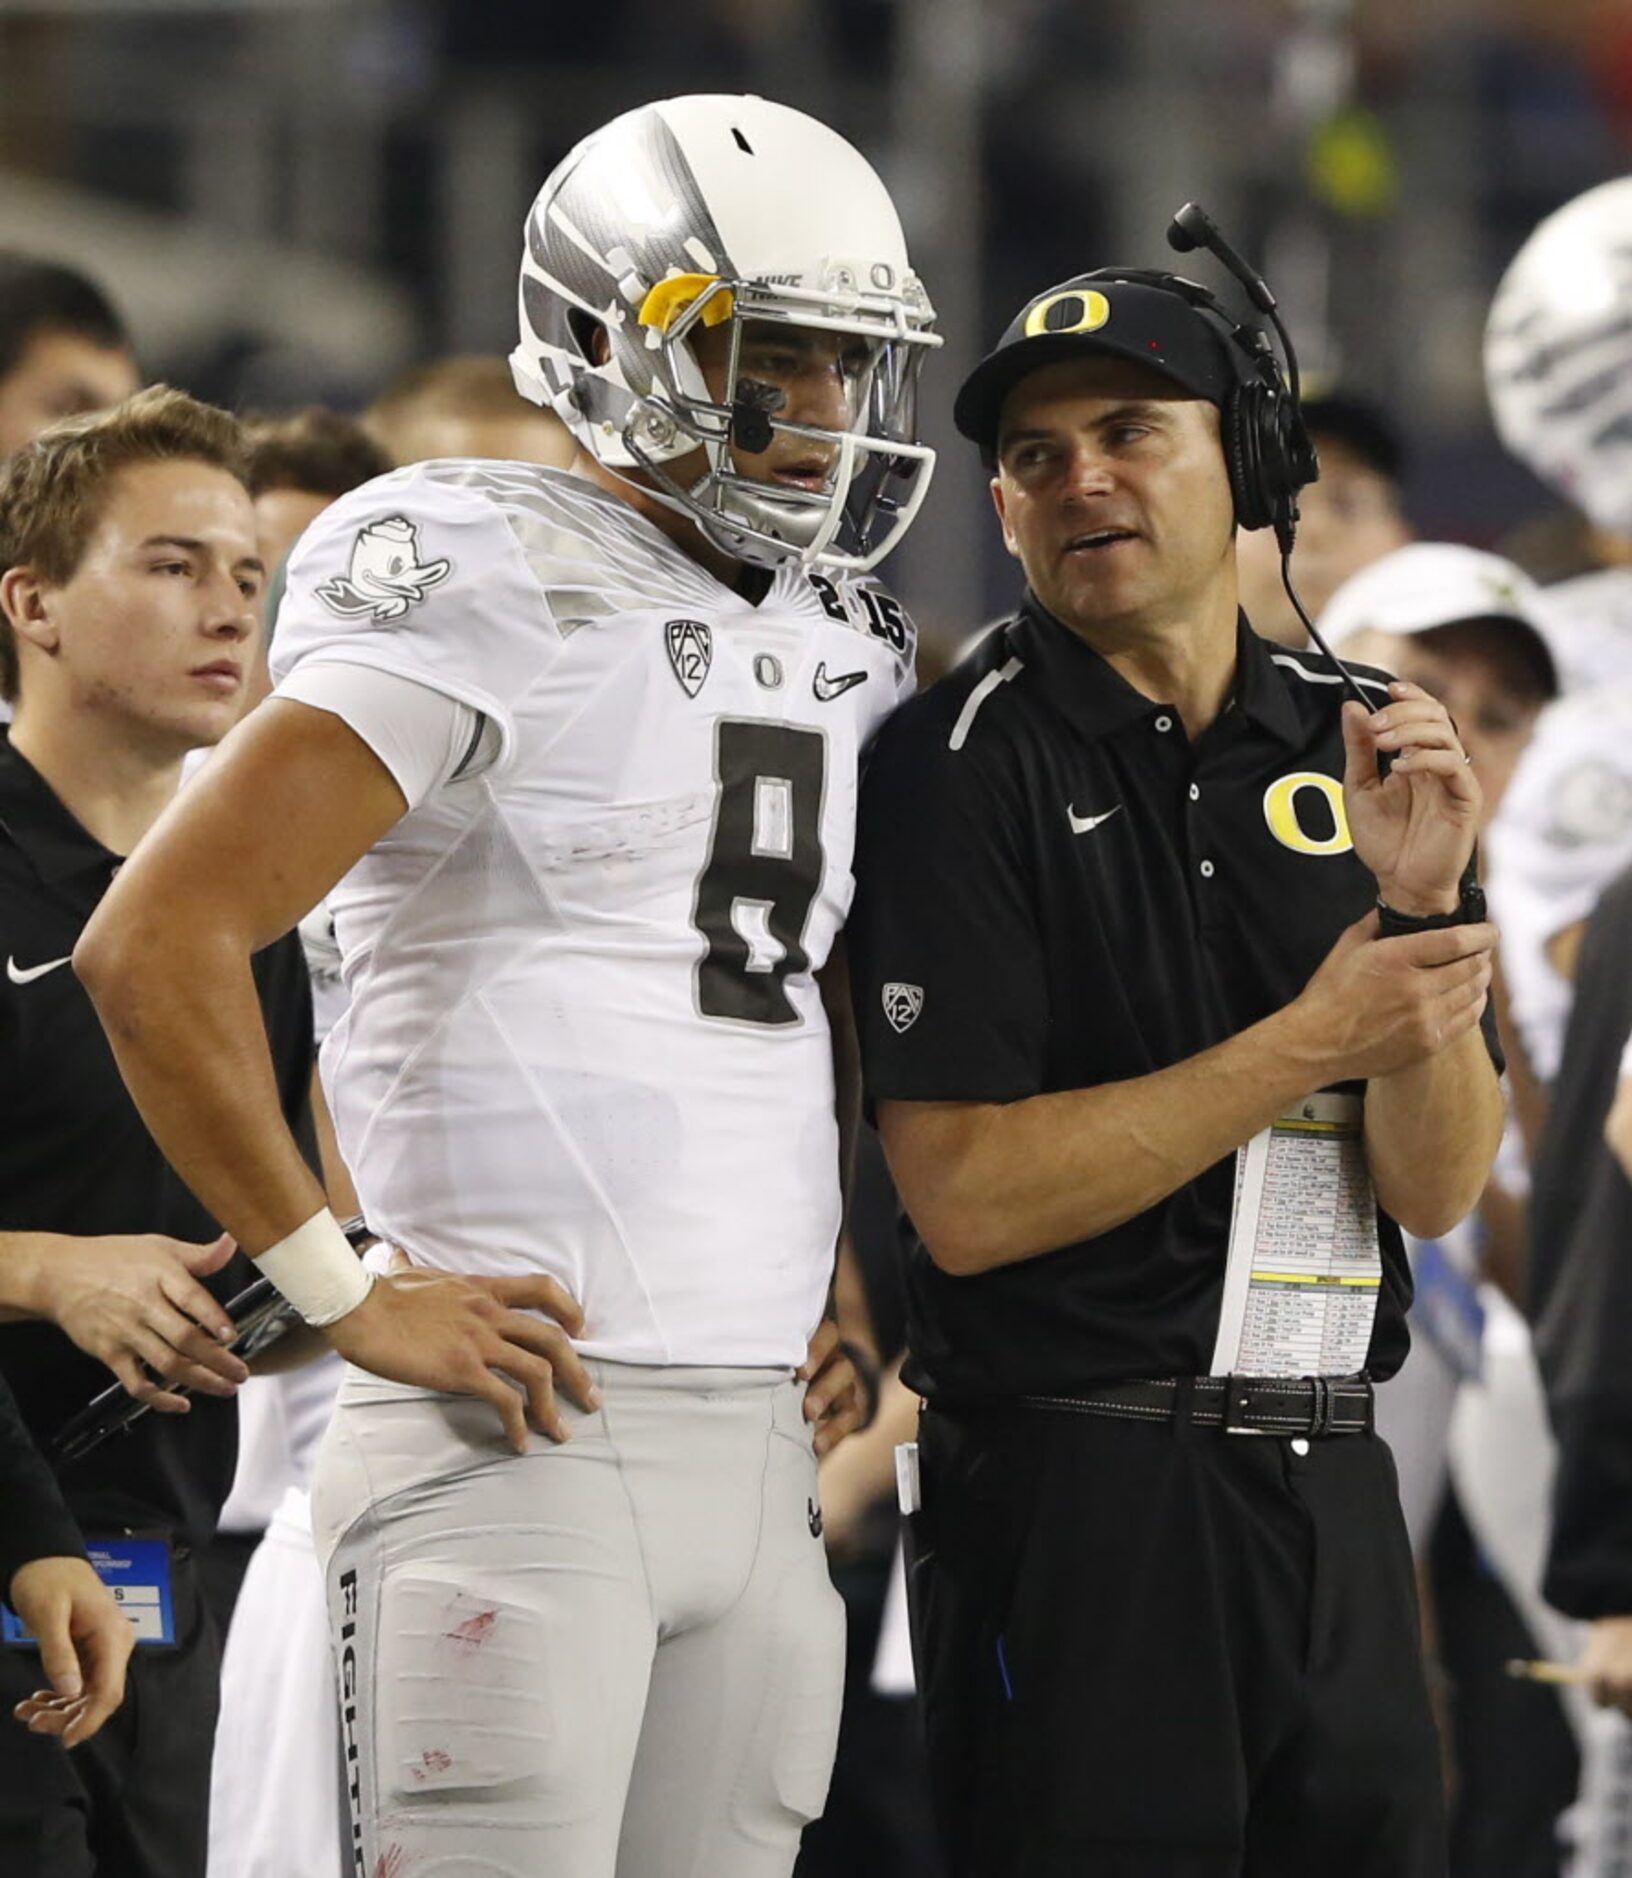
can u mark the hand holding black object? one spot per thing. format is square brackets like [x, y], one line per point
[1414, 826]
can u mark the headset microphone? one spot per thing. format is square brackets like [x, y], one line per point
[1192, 227]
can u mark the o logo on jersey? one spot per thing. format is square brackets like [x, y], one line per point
[1073, 312]
[1289, 815]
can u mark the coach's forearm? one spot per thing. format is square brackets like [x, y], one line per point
[177, 999]
[1432, 1131]
[989, 1184]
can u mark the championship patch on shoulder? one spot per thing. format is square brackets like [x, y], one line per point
[1591, 806]
[902, 1003]
[386, 575]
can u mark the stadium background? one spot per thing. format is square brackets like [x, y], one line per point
[292, 199]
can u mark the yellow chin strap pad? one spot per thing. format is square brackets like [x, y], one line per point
[670, 298]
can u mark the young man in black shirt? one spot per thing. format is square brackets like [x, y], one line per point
[1116, 917]
[85, 1639]
[130, 593]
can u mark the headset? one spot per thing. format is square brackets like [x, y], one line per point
[1267, 447]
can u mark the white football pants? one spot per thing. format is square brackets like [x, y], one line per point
[617, 1658]
[275, 1802]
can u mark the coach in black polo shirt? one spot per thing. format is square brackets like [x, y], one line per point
[1117, 913]
[129, 611]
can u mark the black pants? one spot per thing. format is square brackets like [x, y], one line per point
[1159, 1651]
[134, 1800]
[876, 1823]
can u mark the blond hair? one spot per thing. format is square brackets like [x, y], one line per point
[474, 388]
[53, 492]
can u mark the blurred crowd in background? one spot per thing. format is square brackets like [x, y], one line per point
[296, 199]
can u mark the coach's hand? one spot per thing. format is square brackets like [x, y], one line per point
[1378, 1005]
[473, 1336]
[1415, 829]
[135, 1300]
[1607, 1663]
[836, 1399]
[85, 1642]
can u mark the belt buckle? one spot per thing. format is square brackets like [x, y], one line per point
[1236, 1403]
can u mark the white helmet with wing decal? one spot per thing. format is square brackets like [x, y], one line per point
[692, 212]
[1558, 353]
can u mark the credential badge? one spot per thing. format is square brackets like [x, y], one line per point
[386, 576]
[902, 1003]
[691, 652]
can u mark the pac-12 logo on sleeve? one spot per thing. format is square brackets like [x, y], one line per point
[386, 575]
[902, 1003]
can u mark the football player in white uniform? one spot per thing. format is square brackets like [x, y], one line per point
[1558, 361]
[1558, 364]
[577, 755]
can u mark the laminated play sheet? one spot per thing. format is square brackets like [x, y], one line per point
[1304, 1270]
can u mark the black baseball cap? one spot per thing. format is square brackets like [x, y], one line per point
[1086, 315]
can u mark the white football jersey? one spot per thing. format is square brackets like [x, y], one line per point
[1587, 623]
[584, 1034]
[1562, 834]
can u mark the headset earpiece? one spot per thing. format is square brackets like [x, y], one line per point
[1237, 433]
[1265, 445]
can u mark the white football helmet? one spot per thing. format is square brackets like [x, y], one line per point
[696, 211]
[1558, 353]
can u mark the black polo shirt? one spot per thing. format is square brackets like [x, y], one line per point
[1581, 1281]
[75, 1158]
[1057, 889]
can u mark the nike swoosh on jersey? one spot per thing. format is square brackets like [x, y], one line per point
[26, 974]
[1080, 824]
[827, 689]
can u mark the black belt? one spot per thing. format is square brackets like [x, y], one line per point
[1241, 1405]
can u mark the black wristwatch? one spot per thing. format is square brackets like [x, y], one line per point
[1469, 911]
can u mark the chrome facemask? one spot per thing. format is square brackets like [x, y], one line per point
[877, 474]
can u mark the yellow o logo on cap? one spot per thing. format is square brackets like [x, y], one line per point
[1281, 812]
[1073, 311]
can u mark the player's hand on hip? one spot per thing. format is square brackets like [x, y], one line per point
[1378, 1005]
[85, 1642]
[1415, 828]
[473, 1336]
[835, 1398]
[135, 1303]
[1607, 1663]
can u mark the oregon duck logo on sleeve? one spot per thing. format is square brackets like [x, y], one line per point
[386, 575]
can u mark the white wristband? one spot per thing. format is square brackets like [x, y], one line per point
[317, 1271]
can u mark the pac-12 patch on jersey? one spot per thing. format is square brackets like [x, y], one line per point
[902, 1003]
[386, 575]
[691, 652]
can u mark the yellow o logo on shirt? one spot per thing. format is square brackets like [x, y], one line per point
[1071, 312]
[1286, 825]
